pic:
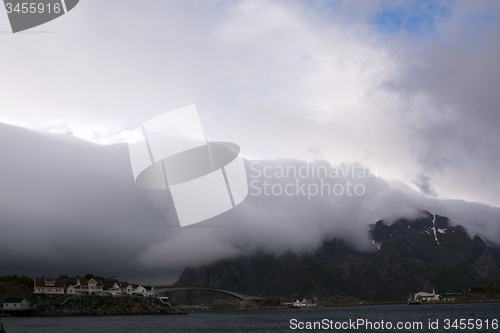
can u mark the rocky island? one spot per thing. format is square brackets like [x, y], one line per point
[100, 306]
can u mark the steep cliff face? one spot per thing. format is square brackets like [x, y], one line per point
[407, 255]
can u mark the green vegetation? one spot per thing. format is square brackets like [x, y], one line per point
[478, 288]
[488, 292]
[15, 286]
[18, 280]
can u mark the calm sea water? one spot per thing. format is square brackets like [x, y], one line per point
[270, 320]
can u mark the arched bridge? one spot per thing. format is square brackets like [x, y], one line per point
[242, 296]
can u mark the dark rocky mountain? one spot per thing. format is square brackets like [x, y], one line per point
[408, 255]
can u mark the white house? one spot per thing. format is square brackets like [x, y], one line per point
[119, 289]
[122, 289]
[140, 290]
[114, 290]
[45, 285]
[426, 295]
[15, 304]
[86, 287]
[146, 291]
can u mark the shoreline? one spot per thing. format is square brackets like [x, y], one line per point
[208, 307]
[181, 309]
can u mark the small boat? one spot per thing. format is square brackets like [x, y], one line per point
[2, 329]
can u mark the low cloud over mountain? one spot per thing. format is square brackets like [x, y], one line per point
[68, 206]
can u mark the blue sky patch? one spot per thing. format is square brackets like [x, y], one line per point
[416, 17]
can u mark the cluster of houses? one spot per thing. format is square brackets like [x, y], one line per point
[304, 301]
[56, 286]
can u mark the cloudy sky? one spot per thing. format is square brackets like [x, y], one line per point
[407, 88]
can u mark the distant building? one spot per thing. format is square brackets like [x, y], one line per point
[15, 304]
[426, 295]
[122, 289]
[129, 289]
[86, 287]
[45, 285]
[114, 290]
[306, 301]
[146, 291]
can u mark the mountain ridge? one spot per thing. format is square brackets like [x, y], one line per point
[427, 252]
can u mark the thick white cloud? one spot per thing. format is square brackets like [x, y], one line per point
[291, 80]
[74, 207]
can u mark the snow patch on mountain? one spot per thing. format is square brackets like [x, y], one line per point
[434, 228]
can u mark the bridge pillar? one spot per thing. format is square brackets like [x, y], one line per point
[243, 303]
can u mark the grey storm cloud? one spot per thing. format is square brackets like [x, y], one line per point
[424, 185]
[76, 209]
